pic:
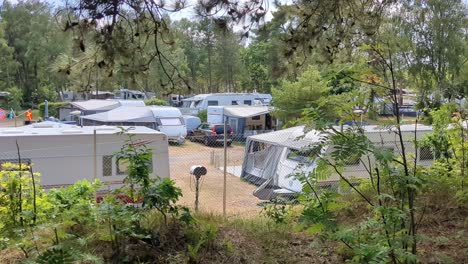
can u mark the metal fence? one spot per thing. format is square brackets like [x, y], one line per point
[251, 165]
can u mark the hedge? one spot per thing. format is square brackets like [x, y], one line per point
[155, 101]
[53, 108]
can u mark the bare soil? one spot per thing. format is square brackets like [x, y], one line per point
[239, 198]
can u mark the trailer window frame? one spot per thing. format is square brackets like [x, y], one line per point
[107, 160]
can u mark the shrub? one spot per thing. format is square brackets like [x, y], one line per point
[155, 101]
[203, 115]
[15, 99]
[54, 108]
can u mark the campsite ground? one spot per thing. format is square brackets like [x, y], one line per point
[240, 200]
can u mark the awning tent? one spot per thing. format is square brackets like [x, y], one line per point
[104, 105]
[123, 114]
[293, 137]
[262, 164]
[245, 111]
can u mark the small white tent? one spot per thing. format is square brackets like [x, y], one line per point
[271, 159]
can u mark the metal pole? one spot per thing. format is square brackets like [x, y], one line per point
[197, 182]
[95, 154]
[225, 168]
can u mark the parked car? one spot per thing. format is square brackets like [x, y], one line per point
[211, 134]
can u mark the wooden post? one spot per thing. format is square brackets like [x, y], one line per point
[225, 168]
[95, 154]
[197, 183]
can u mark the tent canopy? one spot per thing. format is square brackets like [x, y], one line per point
[293, 137]
[135, 114]
[103, 105]
[124, 114]
[245, 111]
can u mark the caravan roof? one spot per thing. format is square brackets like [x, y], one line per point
[123, 114]
[58, 129]
[96, 105]
[242, 111]
[290, 137]
[294, 137]
[135, 114]
[165, 111]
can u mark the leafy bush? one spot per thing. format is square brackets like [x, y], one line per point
[14, 100]
[155, 101]
[54, 108]
[276, 211]
[22, 201]
[46, 93]
[203, 115]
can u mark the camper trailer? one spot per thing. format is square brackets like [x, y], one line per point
[64, 154]
[193, 105]
[166, 119]
[245, 120]
[273, 158]
[126, 94]
[94, 106]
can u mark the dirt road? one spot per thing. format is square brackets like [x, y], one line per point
[240, 200]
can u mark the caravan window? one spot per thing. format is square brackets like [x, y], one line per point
[256, 146]
[212, 103]
[170, 121]
[302, 155]
[107, 165]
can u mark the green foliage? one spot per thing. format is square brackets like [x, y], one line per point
[448, 144]
[138, 157]
[54, 108]
[75, 202]
[22, 201]
[56, 255]
[256, 58]
[155, 101]
[276, 211]
[291, 98]
[162, 196]
[203, 115]
[46, 93]
[202, 239]
[15, 99]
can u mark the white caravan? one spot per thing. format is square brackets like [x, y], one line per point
[126, 94]
[166, 119]
[199, 102]
[273, 158]
[64, 154]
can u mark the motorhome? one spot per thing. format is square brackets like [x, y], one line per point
[166, 119]
[64, 154]
[272, 159]
[126, 94]
[199, 102]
